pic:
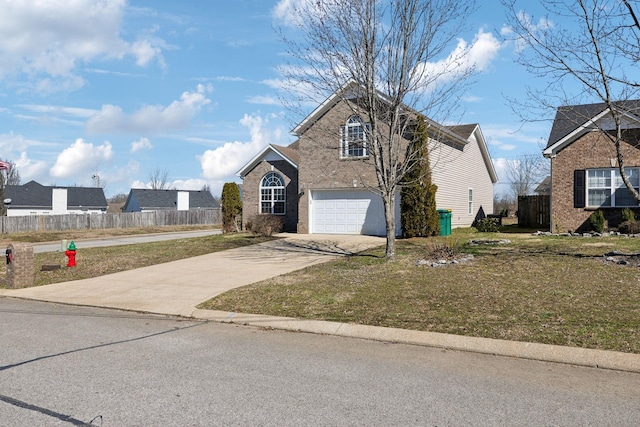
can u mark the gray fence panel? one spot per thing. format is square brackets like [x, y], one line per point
[35, 223]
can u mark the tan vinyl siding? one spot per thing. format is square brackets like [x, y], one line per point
[456, 170]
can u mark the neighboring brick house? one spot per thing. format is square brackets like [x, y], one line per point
[147, 200]
[584, 165]
[33, 198]
[324, 182]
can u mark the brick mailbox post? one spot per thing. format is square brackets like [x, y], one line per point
[20, 272]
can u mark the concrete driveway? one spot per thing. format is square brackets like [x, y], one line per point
[177, 287]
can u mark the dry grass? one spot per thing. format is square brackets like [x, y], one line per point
[546, 289]
[52, 236]
[93, 262]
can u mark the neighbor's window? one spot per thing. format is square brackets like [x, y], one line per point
[471, 201]
[606, 188]
[354, 138]
[272, 194]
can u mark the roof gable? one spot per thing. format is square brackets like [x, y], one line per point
[473, 130]
[573, 121]
[352, 90]
[272, 152]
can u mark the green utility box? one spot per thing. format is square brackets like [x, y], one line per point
[445, 222]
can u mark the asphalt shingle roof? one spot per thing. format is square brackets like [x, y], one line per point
[291, 151]
[33, 194]
[463, 131]
[167, 199]
[570, 117]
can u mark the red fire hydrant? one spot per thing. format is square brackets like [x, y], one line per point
[71, 254]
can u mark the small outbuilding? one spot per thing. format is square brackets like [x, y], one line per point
[33, 198]
[147, 200]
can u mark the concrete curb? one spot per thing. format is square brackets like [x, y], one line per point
[614, 360]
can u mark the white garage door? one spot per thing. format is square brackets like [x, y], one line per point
[349, 212]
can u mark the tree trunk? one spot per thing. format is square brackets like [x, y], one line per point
[390, 220]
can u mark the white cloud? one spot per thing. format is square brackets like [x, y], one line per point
[150, 118]
[54, 109]
[292, 12]
[224, 162]
[264, 100]
[141, 144]
[11, 143]
[484, 49]
[138, 184]
[230, 79]
[501, 145]
[188, 184]
[284, 11]
[47, 40]
[501, 164]
[29, 170]
[81, 157]
[463, 58]
[472, 99]
[178, 184]
[536, 29]
[506, 138]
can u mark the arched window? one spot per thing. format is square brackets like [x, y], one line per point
[272, 194]
[354, 138]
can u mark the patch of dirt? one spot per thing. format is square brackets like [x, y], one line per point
[443, 261]
[621, 258]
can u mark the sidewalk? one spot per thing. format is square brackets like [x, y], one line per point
[177, 287]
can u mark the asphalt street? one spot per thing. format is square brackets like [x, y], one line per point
[63, 365]
[123, 240]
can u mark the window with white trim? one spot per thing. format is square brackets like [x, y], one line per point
[470, 200]
[353, 138]
[272, 194]
[606, 188]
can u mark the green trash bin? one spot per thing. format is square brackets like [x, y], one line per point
[445, 222]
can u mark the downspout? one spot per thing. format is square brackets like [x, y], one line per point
[551, 159]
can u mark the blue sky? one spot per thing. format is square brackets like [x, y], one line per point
[121, 88]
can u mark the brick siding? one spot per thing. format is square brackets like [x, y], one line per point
[251, 193]
[593, 150]
[320, 164]
[20, 272]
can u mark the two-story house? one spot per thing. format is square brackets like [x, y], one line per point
[322, 183]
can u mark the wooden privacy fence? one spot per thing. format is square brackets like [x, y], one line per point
[16, 224]
[534, 211]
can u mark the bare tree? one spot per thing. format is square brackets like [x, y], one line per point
[525, 172]
[504, 204]
[118, 198]
[393, 55]
[9, 175]
[159, 179]
[590, 46]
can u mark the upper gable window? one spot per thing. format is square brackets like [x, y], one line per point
[272, 194]
[354, 138]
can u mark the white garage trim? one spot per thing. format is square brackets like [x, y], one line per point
[349, 212]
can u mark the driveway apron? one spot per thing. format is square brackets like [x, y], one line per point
[177, 287]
